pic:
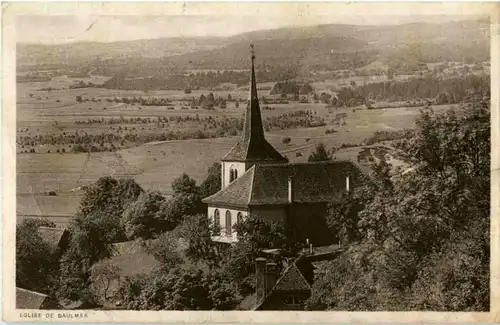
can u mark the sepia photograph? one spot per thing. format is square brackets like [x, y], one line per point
[248, 157]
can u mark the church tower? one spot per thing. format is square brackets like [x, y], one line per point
[252, 148]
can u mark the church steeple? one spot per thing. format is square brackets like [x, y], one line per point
[253, 128]
[252, 146]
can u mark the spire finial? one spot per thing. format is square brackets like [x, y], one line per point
[252, 51]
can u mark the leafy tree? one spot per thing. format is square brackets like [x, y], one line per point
[190, 290]
[145, 291]
[173, 211]
[141, 218]
[223, 293]
[179, 289]
[343, 213]
[286, 140]
[212, 184]
[166, 250]
[91, 241]
[36, 261]
[320, 154]
[254, 234]
[196, 230]
[103, 274]
[425, 238]
[108, 198]
[184, 185]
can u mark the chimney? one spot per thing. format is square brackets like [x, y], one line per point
[271, 276]
[290, 190]
[260, 274]
[347, 183]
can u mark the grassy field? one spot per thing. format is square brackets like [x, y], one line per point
[155, 165]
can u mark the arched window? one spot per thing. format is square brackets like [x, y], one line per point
[239, 217]
[233, 173]
[216, 230]
[229, 224]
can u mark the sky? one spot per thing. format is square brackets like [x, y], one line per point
[222, 19]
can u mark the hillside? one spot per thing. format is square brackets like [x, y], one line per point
[322, 47]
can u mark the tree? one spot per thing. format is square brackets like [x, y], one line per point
[108, 198]
[254, 234]
[320, 154]
[190, 290]
[36, 261]
[184, 185]
[103, 274]
[425, 238]
[79, 99]
[140, 218]
[196, 230]
[179, 289]
[166, 250]
[212, 184]
[91, 241]
[286, 140]
[343, 213]
[173, 211]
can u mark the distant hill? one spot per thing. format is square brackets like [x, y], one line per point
[322, 47]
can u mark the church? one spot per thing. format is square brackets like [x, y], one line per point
[257, 180]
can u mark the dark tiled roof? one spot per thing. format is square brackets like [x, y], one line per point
[235, 194]
[26, 299]
[292, 280]
[55, 237]
[253, 150]
[253, 146]
[268, 184]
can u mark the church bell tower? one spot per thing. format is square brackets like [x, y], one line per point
[252, 148]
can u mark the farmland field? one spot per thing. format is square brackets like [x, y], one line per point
[154, 165]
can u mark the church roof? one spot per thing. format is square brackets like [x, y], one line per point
[267, 184]
[252, 145]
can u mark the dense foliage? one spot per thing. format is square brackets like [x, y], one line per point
[443, 91]
[424, 238]
[36, 261]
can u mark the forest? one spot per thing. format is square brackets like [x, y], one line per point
[439, 90]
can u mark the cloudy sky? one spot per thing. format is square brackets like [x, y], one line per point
[62, 25]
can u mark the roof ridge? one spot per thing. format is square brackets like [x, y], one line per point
[51, 228]
[293, 265]
[251, 184]
[33, 292]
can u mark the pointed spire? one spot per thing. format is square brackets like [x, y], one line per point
[253, 83]
[253, 128]
[253, 145]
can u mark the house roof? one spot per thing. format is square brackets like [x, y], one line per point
[267, 184]
[298, 276]
[292, 280]
[253, 146]
[26, 299]
[52, 236]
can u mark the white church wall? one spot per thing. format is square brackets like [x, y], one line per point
[224, 236]
[240, 167]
